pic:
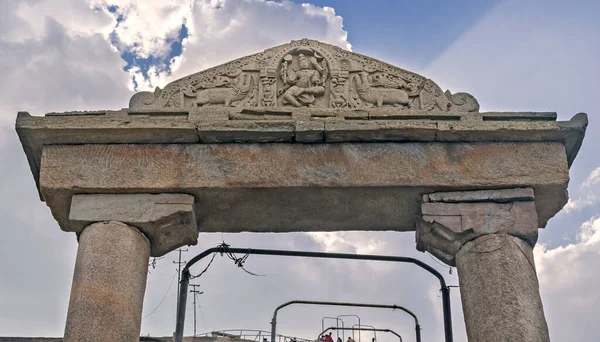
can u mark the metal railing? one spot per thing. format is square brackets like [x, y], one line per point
[253, 335]
[343, 331]
[337, 323]
[361, 305]
[370, 329]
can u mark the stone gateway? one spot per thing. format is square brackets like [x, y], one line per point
[304, 136]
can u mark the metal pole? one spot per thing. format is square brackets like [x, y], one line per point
[352, 331]
[185, 280]
[179, 275]
[444, 288]
[366, 325]
[323, 321]
[371, 329]
[447, 314]
[337, 335]
[194, 315]
[363, 305]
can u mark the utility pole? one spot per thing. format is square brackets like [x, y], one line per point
[179, 263]
[195, 292]
[153, 263]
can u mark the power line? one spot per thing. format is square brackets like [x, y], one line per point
[440, 263]
[153, 263]
[163, 298]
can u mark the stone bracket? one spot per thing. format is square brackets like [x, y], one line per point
[168, 220]
[451, 219]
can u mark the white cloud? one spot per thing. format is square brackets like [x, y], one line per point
[586, 194]
[148, 27]
[569, 284]
[59, 72]
[78, 17]
[592, 179]
[579, 203]
[220, 31]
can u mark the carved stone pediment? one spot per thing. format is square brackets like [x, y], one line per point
[305, 73]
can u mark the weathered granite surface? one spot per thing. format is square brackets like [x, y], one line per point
[451, 219]
[108, 284]
[200, 126]
[500, 291]
[302, 187]
[305, 74]
[492, 196]
[168, 220]
[489, 238]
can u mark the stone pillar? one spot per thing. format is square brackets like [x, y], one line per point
[489, 236]
[119, 233]
[108, 284]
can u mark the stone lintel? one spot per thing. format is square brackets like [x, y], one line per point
[289, 187]
[446, 226]
[168, 220]
[215, 125]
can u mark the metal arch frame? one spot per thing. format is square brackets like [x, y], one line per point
[362, 305]
[365, 325]
[365, 329]
[337, 323]
[343, 335]
[186, 275]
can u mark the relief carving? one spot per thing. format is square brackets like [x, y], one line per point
[228, 90]
[306, 73]
[303, 81]
[372, 92]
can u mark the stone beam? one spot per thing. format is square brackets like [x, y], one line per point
[295, 125]
[303, 187]
[489, 236]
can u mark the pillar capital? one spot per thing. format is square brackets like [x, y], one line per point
[489, 236]
[167, 220]
[451, 219]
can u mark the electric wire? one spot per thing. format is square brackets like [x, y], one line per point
[238, 261]
[163, 298]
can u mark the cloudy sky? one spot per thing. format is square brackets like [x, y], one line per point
[58, 55]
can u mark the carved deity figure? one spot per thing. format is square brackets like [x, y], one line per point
[338, 99]
[268, 99]
[305, 84]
